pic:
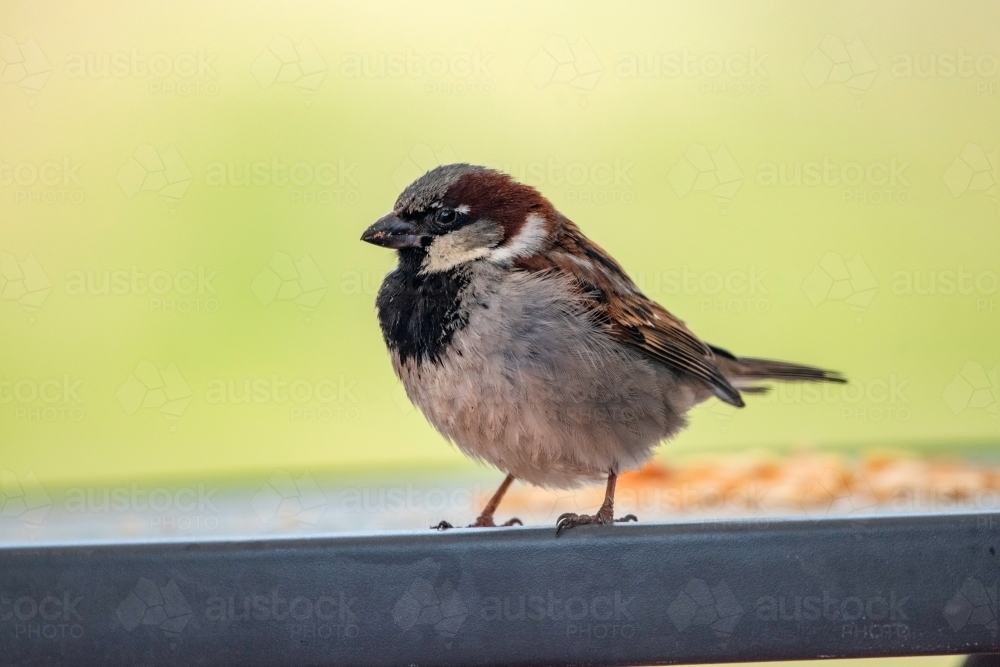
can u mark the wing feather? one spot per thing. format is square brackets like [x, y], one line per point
[628, 315]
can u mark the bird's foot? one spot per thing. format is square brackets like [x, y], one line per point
[572, 520]
[481, 522]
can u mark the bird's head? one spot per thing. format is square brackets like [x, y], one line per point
[461, 213]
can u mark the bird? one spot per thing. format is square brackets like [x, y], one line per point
[528, 346]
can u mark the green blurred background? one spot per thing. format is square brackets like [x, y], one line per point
[183, 186]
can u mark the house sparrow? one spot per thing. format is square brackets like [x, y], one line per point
[528, 346]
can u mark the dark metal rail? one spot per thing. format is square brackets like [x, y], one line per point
[629, 594]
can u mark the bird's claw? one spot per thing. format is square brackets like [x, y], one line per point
[481, 522]
[572, 520]
[487, 522]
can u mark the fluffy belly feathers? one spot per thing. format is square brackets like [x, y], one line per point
[533, 387]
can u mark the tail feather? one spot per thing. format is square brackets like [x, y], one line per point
[766, 369]
[745, 372]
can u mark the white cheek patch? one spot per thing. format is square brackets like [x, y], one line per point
[525, 243]
[461, 246]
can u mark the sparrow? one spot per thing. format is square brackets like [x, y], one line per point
[529, 347]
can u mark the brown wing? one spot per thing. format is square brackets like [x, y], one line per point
[628, 315]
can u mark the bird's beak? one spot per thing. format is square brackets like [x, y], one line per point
[390, 231]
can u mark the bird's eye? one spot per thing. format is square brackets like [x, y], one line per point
[446, 216]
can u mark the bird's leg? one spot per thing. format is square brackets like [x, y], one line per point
[485, 520]
[605, 515]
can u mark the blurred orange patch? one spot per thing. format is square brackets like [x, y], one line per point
[809, 483]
